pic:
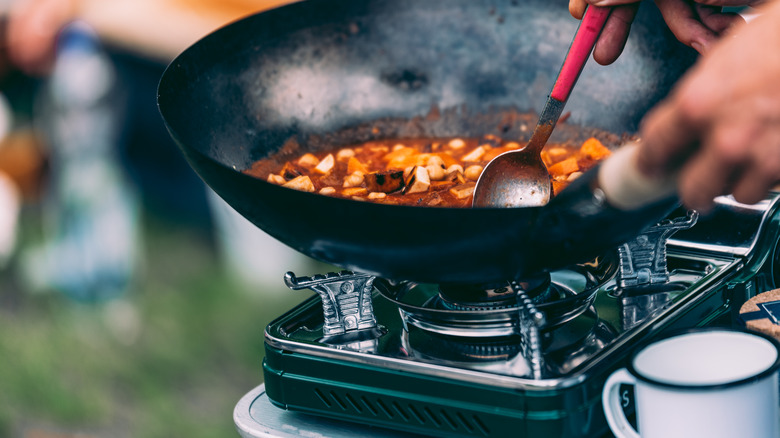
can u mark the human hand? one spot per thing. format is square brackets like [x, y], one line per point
[695, 23]
[720, 128]
[32, 29]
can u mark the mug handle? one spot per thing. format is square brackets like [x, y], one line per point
[610, 399]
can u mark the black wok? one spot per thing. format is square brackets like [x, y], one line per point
[325, 73]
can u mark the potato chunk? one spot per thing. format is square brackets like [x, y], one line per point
[276, 179]
[463, 191]
[418, 180]
[475, 154]
[354, 179]
[345, 154]
[308, 161]
[456, 143]
[326, 165]
[302, 183]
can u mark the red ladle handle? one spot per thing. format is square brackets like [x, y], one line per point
[584, 40]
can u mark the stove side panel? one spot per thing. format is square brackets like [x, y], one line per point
[427, 405]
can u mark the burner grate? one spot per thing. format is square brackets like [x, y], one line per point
[489, 296]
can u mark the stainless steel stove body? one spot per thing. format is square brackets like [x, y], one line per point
[531, 362]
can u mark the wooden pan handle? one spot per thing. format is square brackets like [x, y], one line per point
[625, 187]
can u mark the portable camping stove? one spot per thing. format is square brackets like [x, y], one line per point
[520, 358]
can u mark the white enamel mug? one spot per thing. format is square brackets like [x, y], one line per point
[702, 383]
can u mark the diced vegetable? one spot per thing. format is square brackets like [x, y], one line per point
[448, 159]
[435, 167]
[455, 168]
[494, 152]
[555, 154]
[463, 191]
[402, 157]
[345, 154]
[354, 179]
[435, 172]
[386, 182]
[475, 154]
[354, 191]
[302, 183]
[288, 172]
[326, 164]
[308, 161]
[354, 165]
[418, 181]
[456, 143]
[401, 152]
[423, 172]
[455, 174]
[276, 179]
[473, 172]
[594, 149]
[564, 167]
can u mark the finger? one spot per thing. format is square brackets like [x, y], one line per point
[721, 161]
[30, 46]
[716, 20]
[32, 29]
[615, 34]
[703, 178]
[723, 3]
[668, 138]
[612, 2]
[706, 2]
[763, 172]
[577, 8]
[683, 21]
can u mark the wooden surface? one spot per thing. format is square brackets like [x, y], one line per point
[764, 325]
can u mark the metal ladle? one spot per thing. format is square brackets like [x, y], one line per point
[520, 178]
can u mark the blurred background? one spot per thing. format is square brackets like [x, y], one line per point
[132, 300]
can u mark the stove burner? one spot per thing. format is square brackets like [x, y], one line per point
[493, 295]
[503, 348]
[564, 348]
[491, 311]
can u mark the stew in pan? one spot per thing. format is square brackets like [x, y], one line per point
[438, 172]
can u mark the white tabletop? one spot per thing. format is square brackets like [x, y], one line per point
[256, 417]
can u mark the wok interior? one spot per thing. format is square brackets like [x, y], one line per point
[322, 74]
[318, 67]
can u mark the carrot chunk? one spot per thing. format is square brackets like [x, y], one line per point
[594, 149]
[564, 167]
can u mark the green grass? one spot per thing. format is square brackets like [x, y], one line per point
[67, 367]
